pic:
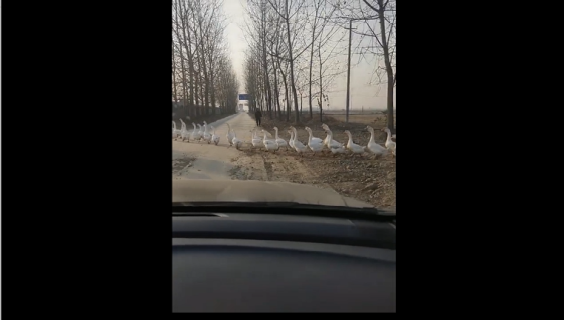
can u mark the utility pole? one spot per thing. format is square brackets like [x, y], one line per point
[349, 74]
[349, 70]
[349, 64]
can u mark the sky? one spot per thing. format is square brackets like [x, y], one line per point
[363, 94]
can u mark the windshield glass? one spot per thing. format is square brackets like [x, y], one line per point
[292, 93]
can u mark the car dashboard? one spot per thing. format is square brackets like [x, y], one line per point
[237, 262]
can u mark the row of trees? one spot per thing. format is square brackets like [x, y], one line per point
[296, 49]
[202, 72]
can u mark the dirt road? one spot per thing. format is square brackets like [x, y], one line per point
[193, 160]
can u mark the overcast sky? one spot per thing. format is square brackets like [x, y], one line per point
[363, 94]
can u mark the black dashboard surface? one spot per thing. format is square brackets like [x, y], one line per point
[254, 275]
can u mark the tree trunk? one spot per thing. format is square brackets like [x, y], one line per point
[276, 93]
[292, 77]
[205, 81]
[310, 84]
[174, 64]
[288, 106]
[212, 82]
[301, 102]
[205, 85]
[267, 89]
[389, 69]
[174, 75]
[183, 69]
[320, 86]
[187, 46]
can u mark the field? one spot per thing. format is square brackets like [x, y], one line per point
[370, 117]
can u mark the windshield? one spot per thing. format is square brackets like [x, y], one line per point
[295, 93]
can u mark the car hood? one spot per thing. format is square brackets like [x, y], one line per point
[259, 191]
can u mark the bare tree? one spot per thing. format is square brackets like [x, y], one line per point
[383, 37]
[326, 51]
[379, 17]
[278, 35]
[200, 59]
[290, 13]
[174, 93]
[257, 29]
[277, 49]
[252, 76]
[176, 26]
[226, 85]
[322, 15]
[214, 41]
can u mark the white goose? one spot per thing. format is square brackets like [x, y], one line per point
[200, 132]
[195, 135]
[214, 137]
[175, 132]
[206, 136]
[355, 148]
[329, 141]
[202, 129]
[334, 147]
[393, 135]
[315, 146]
[315, 140]
[291, 142]
[230, 134]
[184, 132]
[256, 141]
[236, 141]
[373, 147]
[389, 143]
[269, 144]
[298, 146]
[281, 142]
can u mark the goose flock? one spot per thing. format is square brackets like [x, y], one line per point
[195, 134]
[314, 144]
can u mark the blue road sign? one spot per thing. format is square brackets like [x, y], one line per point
[243, 96]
